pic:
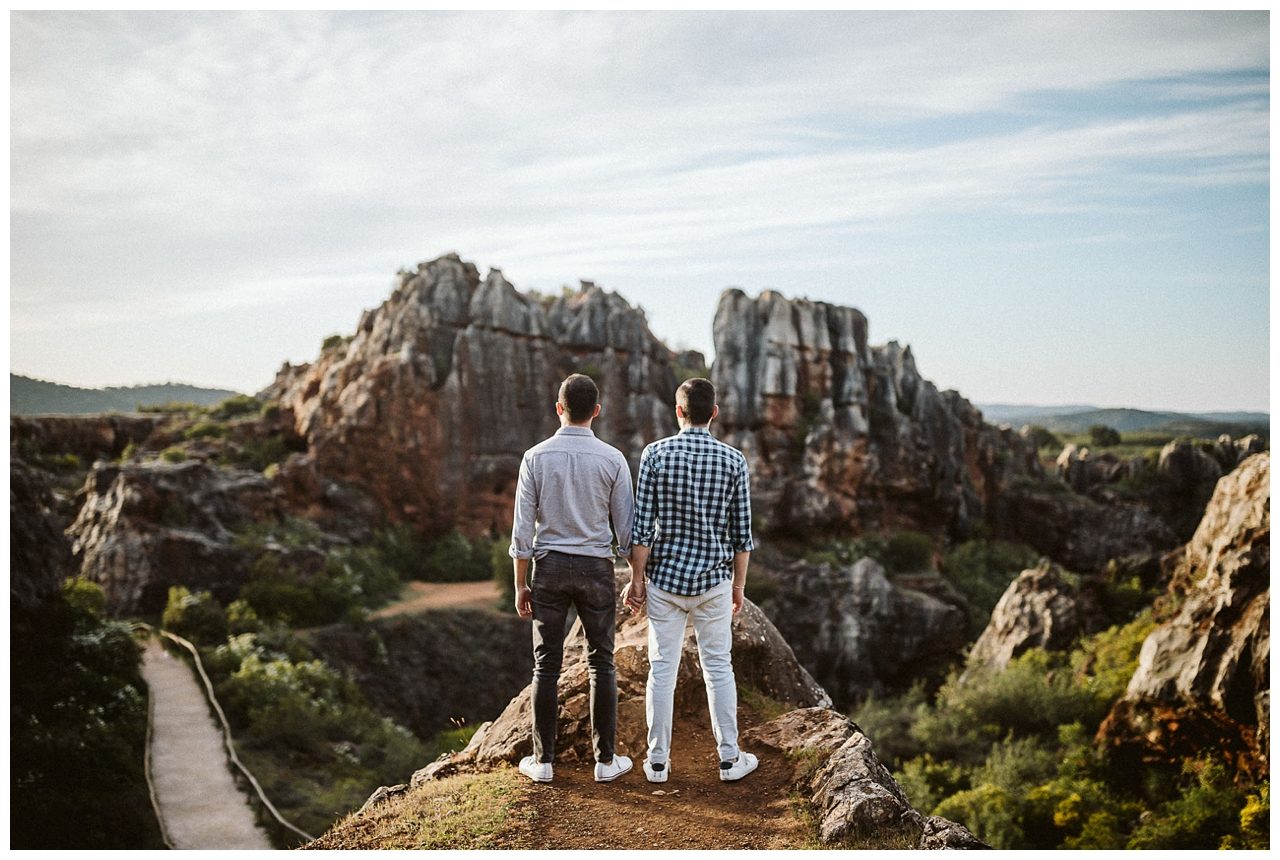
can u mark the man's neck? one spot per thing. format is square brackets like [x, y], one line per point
[586, 425]
[684, 425]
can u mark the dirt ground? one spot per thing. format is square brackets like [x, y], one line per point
[693, 809]
[420, 596]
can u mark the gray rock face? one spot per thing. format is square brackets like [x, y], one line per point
[89, 437]
[146, 526]
[1188, 465]
[1202, 680]
[846, 437]
[1083, 470]
[429, 406]
[1038, 610]
[857, 631]
[853, 794]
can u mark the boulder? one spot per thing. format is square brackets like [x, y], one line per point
[847, 437]
[852, 793]
[859, 632]
[1202, 681]
[1039, 609]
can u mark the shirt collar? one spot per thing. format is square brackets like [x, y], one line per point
[575, 431]
[704, 431]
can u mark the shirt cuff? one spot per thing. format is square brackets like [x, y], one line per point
[519, 553]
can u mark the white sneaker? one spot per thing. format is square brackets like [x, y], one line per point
[538, 771]
[656, 772]
[614, 769]
[735, 770]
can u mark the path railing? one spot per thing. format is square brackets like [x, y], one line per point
[226, 736]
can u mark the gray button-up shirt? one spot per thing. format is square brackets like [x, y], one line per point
[570, 486]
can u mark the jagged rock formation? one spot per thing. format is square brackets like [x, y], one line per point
[432, 402]
[1202, 682]
[146, 526]
[39, 554]
[430, 669]
[857, 631]
[852, 792]
[847, 437]
[1039, 609]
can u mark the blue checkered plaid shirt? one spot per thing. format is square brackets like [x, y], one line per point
[693, 509]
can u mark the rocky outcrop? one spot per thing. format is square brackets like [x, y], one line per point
[433, 670]
[430, 405]
[39, 553]
[761, 659]
[847, 437]
[1079, 533]
[1040, 609]
[851, 791]
[858, 632]
[146, 526]
[1202, 681]
[89, 437]
[1082, 469]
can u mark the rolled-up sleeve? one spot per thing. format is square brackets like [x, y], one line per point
[526, 513]
[740, 512]
[622, 508]
[644, 528]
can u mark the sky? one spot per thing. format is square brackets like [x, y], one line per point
[1048, 207]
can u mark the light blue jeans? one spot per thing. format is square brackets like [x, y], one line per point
[712, 615]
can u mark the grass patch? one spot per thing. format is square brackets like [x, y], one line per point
[464, 812]
[765, 706]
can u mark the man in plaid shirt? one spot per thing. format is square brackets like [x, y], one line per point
[692, 538]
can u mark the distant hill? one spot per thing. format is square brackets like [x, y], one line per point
[1078, 419]
[29, 396]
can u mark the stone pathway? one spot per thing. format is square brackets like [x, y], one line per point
[199, 801]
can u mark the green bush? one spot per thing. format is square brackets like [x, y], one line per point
[888, 721]
[258, 454]
[848, 551]
[1202, 816]
[1102, 436]
[196, 616]
[205, 430]
[909, 552]
[981, 570]
[239, 404]
[173, 454]
[1042, 437]
[331, 342]
[77, 728]
[279, 592]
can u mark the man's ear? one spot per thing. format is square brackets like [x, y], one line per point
[715, 410]
[679, 411]
[559, 408]
[596, 413]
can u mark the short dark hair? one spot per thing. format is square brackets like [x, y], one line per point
[697, 398]
[579, 396]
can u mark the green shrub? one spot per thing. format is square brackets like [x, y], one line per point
[331, 342]
[982, 570]
[205, 430]
[1255, 818]
[1207, 811]
[1105, 662]
[239, 404]
[888, 721]
[241, 618]
[279, 592]
[1102, 436]
[849, 550]
[258, 454]
[77, 728]
[909, 552]
[196, 616]
[1042, 437]
[173, 454]
[927, 781]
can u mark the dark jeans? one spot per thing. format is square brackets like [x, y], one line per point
[560, 580]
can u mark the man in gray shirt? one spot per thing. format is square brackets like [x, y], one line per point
[570, 487]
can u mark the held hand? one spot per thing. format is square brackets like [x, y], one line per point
[524, 602]
[739, 592]
[633, 595]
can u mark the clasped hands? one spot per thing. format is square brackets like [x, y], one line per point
[633, 595]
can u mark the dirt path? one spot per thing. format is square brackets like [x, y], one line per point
[199, 802]
[693, 809]
[420, 596]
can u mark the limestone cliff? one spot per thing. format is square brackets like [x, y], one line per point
[431, 403]
[847, 437]
[1203, 679]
